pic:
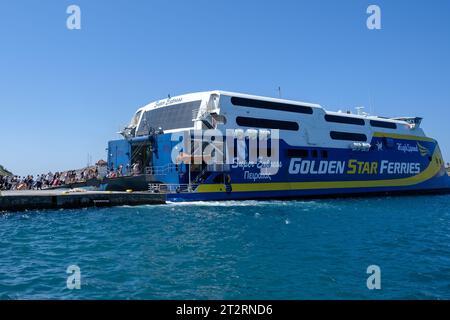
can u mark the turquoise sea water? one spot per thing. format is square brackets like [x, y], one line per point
[231, 250]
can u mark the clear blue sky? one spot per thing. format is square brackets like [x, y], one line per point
[64, 94]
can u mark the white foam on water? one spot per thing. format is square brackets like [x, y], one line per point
[246, 203]
[302, 205]
[297, 206]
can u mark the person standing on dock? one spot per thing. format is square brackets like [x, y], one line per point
[39, 182]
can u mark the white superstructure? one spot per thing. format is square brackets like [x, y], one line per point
[307, 124]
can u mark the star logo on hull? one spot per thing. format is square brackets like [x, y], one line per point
[380, 146]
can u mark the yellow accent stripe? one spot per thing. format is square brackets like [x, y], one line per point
[427, 174]
[401, 136]
[423, 151]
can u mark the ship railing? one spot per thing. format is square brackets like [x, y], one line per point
[161, 170]
[360, 146]
[205, 117]
[171, 188]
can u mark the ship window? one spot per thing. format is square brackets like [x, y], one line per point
[346, 120]
[267, 123]
[347, 136]
[261, 104]
[297, 153]
[383, 124]
[135, 120]
[169, 117]
[220, 119]
[324, 154]
[315, 153]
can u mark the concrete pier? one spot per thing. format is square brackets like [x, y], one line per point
[56, 199]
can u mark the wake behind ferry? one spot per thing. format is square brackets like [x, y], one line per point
[221, 145]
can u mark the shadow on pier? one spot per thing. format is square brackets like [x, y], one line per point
[60, 199]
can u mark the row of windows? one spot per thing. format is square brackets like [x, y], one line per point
[348, 136]
[346, 120]
[383, 124]
[360, 122]
[302, 153]
[293, 126]
[260, 104]
[167, 118]
[267, 123]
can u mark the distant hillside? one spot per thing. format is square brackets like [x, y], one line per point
[4, 172]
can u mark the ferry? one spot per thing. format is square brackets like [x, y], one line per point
[220, 145]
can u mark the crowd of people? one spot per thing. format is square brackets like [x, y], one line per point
[112, 173]
[133, 170]
[45, 181]
[58, 179]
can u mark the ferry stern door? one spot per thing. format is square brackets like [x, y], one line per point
[142, 155]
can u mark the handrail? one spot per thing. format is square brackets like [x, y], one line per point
[171, 188]
[161, 170]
